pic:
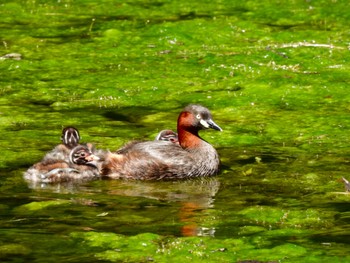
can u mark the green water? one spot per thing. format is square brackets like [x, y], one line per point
[275, 75]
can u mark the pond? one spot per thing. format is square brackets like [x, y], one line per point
[275, 75]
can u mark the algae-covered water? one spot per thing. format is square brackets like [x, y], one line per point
[275, 75]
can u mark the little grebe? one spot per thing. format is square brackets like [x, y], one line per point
[70, 138]
[65, 161]
[167, 135]
[155, 160]
[81, 166]
[164, 135]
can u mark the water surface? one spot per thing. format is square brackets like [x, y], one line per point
[275, 76]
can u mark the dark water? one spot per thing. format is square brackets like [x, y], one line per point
[275, 76]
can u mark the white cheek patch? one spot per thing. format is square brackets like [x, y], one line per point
[76, 135]
[204, 123]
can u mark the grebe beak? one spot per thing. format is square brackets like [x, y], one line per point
[210, 124]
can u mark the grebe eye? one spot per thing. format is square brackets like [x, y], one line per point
[198, 116]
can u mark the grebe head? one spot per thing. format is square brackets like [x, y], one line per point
[70, 137]
[167, 135]
[82, 155]
[196, 117]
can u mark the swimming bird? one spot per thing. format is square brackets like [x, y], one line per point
[70, 138]
[66, 161]
[82, 165]
[156, 160]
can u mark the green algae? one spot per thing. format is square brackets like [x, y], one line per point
[13, 249]
[35, 206]
[151, 247]
[275, 76]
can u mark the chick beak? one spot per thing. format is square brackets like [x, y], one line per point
[92, 158]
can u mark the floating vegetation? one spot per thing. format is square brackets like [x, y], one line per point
[275, 75]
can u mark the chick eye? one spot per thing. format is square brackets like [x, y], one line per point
[81, 154]
[198, 116]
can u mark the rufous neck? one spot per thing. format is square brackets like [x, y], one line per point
[187, 133]
[188, 139]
